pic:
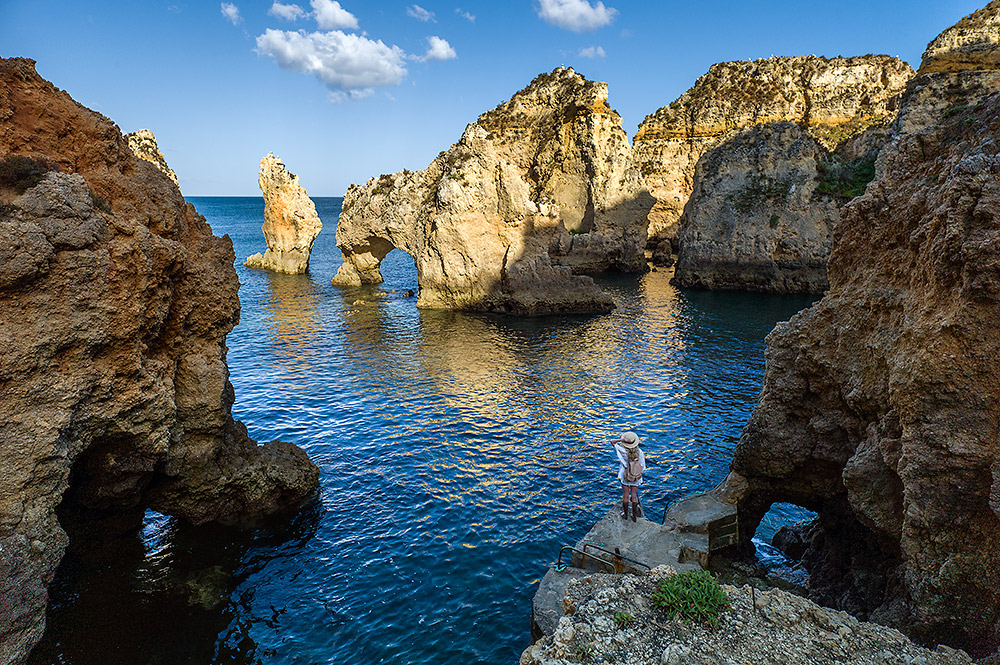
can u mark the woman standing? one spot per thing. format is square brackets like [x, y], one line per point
[631, 464]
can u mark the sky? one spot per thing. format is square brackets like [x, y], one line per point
[345, 91]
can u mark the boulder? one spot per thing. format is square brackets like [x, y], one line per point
[291, 224]
[115, 303]
[537, 191]
[833, 98]
[880, 408]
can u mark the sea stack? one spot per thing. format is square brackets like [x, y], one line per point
[142, 143]
[833, 98]
[880, 408]
[291, 224]
[115, 303]
[538, 190]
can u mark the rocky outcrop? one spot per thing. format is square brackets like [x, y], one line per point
[142, 143]
[613, 618]
[834, 99]
[765, 205]
[115, 302]
[291, 224]
[881, 404]
[537, 190]
[971, 44]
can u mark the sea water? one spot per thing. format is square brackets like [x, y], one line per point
[457, 452]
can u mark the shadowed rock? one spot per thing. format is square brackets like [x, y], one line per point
[833, 98]
[880, 409]
[115, 302]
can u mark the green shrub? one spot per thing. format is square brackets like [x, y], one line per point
[694, 595]
[21, 173]
[845, 180]
[623, 620]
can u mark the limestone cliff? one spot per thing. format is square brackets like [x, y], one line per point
[115, 302]
[291, 224]
[833, 98]
[881, 404]
[536, 190]
[765, 205]
[142, 143]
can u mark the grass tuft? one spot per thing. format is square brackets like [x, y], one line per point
[694, 595]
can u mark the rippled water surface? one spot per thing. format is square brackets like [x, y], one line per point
[458, 452]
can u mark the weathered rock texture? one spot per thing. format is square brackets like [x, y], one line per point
[759, 627]
[115, 302]
[765, 205]
[291, 224]
[833, 99]
[881, 404]
[142, 143]
[536, 190]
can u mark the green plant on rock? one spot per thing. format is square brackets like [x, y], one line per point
[845, 180]
[623, 620]
[21, 173]
[694, 595]
[585, 652]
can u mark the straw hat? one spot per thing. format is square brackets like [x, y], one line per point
[630, 440]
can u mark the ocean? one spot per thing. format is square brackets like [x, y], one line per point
[458, 452]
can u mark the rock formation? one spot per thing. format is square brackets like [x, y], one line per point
[881, 404]
[770, 626]
[764, 208]
[115, 302]
[833, 98]
[290, 220]
[538, 190]
[142, 143]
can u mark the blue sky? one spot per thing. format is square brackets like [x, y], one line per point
[350, 90]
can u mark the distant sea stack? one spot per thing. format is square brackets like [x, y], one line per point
[834, 99]
[142, 143]
[880, 408]
[115, 303]
[537, 191]
[291, 224]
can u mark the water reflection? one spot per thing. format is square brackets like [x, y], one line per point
[293, 321]
[175, 594]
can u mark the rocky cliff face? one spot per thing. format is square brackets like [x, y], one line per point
[536, 190]
[115, 302]
[833, 99]
[881, 404]
[142, 143]
[291, 224]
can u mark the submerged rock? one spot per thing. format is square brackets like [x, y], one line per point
[291, 224]
[142, 143]
[537, 190]
[115, 303]
[833, 98]
[613, 618]
[880, 409]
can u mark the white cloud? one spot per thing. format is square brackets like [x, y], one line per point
[592, 52]
[339, 97]
[330, 15]
[419, 13]
[439, 50]
[350, 65]
[466, 15]
[231, 12]
[576, 15]
[286, 12]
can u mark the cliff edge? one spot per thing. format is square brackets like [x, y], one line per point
[143, 145]
[880, 408]
[115, 302]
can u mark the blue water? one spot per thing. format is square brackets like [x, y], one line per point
[457, 452]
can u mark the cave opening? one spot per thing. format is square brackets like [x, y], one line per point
[781, 540]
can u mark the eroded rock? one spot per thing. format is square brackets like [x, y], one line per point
[142, 143]
[537, 190]
[115, 302]
[291, 224]
[881, 403]
[833, 98]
